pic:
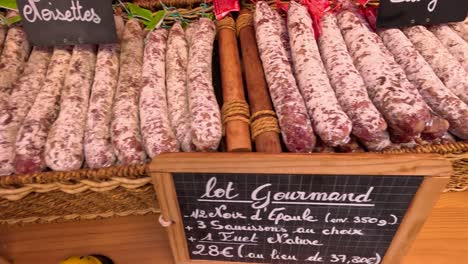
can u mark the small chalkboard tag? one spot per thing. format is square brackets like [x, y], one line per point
[400, 13]
[68, 22]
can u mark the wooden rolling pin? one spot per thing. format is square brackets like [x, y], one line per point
[265, 129]
[235, 110]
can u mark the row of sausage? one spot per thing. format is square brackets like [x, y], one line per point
[123, 103]
[384, 87]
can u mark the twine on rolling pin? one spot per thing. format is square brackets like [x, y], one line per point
[237, 110]
[262, 122]
[163, 222]
[243, 20]
[226, 23]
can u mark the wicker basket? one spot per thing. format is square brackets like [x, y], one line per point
[121, 191]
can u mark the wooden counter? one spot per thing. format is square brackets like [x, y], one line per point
[140, 239]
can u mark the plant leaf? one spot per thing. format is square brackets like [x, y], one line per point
[9, 4]
[139, 12]
[12, 20]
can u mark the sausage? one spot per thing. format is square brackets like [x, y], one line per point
[445, 66]
[98, 148]
[64, 146]
[125, 126]
[25, 90]
[15, 53]
[206, 124]
[32, 136]
[441, 100]
[189, 30]
[435, 126]
[453, 42]
[284, 35]
[330, 122]
[461, 28]
[294, 121]
[156, 130]
[368, 124]
[3, 32]
[176, 83]
[397, 104]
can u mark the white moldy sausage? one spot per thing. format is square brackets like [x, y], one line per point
[125, 125]
[156, 130]
[32, 136]
[284, 35]
[176, 83]
[294, 121]
[368, 124]
[3, 32]
[453, 42]
[64, 147]
[461, 28]
[442, 101]
[205, 114]
[25, 90]
[445, 66]
[15, 53]
[329, 121]
[397, 104]
[98, 148]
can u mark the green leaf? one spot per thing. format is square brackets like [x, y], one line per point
[209, 15]
[139, 12]
[9, 4]
[12, 20]
[156, 20]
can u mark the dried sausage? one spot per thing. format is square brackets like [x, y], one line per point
[32, 136]
[98, 148]
[294, 121]
[453, 42]
[445, 66]
[64, 146]
[461, 28]
[368, 124]
[25, 90]
[206, 124]
[442, 101]
[330, 122]
[156, 130]
[397, 104]
[176, 83]
[125, 126]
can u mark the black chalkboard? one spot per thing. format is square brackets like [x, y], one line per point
[398, 13]
[59, 22]
[321, 218]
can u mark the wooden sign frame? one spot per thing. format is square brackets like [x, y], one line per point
[435, 169]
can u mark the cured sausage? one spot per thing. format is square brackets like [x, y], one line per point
[15, 53]
[98, 148]
[176, 83]
[397, 104]
[330, 122]
[445, 66]
[64, 147]
[25, 90]
[284, 35]
[125, 125]
[441, 100]
[294, 121]
[461, 28]
[3, 32]
[156, 130]
[368, 124]
[32, 136]
[453, 42]
[206, 124]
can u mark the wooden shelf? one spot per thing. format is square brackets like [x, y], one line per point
[140, 239]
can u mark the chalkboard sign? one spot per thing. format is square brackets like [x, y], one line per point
[397, 13]
[291, 209]
[62, 22]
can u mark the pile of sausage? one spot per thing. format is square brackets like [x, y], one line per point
[65, 108]
[386, 89]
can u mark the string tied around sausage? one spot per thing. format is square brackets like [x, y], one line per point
[263, 121]
[236, 110]
[226, 23]
[243, 20]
